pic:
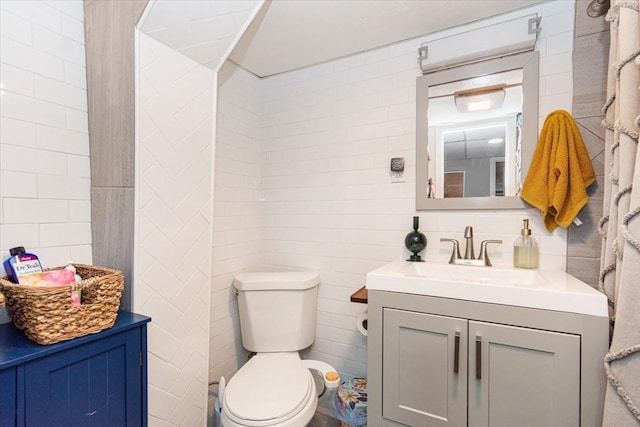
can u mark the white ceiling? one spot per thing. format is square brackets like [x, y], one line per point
[290, 34]
[296, 33]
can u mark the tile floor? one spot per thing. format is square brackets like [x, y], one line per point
[322, 420]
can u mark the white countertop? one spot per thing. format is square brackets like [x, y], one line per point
[543, 289]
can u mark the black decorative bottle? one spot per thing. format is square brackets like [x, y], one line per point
[415, 241]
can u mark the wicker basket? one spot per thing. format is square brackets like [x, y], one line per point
[46, 314]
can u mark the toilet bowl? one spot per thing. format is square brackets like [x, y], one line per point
[271, 389]
[277, 312]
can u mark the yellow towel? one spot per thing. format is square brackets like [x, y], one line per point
[560, 172]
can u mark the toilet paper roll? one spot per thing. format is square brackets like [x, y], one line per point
[361, 322]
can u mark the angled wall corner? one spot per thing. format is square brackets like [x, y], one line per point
[176, 102]
[203, 30]
[173, 223]
[237, 217]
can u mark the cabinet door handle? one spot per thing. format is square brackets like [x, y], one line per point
[456, 355]
[478, 357]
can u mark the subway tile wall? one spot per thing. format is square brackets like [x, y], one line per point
[235, 242]
[44, 142]
[237, 224]
[328, 133]
[173, 223]
[320, 196]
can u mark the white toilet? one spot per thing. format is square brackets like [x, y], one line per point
[277, 319]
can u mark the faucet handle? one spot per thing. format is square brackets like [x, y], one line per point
[455, 253]
[484, 255]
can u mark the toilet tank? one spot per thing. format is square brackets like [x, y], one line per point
[277, 309]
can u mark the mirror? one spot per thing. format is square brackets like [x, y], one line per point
[477, 128]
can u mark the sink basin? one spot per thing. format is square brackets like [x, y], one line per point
[543, 289]
[471, 274]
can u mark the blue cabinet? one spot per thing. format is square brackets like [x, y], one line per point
[96, 380]
[8, 392]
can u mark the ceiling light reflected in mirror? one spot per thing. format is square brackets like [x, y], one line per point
[480, 99]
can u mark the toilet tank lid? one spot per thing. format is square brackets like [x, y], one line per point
[276, 280]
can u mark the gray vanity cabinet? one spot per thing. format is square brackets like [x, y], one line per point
[522, 377]
[443, 362]
[424, 375]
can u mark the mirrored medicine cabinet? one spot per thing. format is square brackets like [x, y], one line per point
[476, 131]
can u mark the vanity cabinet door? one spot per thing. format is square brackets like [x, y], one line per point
[523, 377]
[424, 379]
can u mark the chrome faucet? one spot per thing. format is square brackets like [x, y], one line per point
[468, 250]
[469, 256]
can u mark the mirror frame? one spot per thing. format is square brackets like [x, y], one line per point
[528, 61]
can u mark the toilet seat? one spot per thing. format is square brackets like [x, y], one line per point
[270, 389]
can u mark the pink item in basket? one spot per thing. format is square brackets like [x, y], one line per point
[49, 278]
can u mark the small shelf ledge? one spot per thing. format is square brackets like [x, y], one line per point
[360, 295]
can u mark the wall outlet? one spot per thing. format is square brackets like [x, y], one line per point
[397, 176]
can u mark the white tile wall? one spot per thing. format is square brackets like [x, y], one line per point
[44, 142]
[173, 229]
[237, 224]
[328, 134]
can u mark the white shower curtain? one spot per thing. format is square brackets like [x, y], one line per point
[620, 225]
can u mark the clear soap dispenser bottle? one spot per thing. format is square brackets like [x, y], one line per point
[525, 249]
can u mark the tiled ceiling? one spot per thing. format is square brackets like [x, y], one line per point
[203, 30]
[290, 34]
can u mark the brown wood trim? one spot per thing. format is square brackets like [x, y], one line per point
[360, 295]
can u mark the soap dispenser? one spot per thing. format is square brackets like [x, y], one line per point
[525, 249]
